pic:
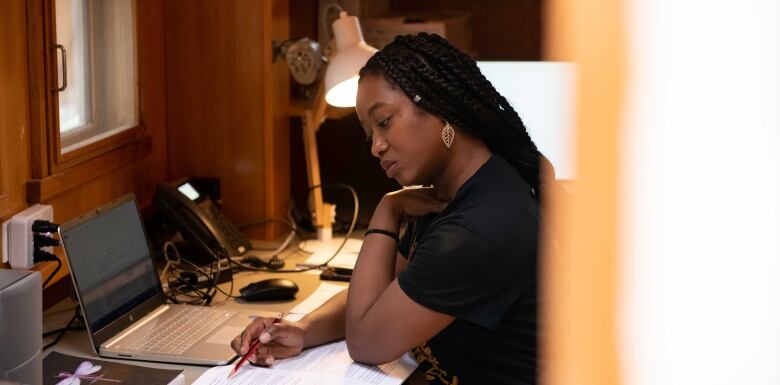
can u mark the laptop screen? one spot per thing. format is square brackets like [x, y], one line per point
[110, 262]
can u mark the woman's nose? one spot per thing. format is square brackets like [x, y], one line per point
[378, 146]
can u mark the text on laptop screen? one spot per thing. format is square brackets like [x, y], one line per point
[109, 256]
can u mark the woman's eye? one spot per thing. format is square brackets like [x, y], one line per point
[384, 123]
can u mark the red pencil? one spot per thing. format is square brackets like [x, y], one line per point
[251, 351]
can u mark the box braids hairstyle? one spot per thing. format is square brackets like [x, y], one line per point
[450, 86]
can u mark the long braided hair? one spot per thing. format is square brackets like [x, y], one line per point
[450, 85]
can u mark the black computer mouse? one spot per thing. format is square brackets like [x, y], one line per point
[273, 289]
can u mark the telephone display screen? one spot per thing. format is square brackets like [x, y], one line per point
[189, 191]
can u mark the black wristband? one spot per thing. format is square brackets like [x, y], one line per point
[383, 232]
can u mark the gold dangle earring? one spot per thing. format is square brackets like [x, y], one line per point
[447, 134]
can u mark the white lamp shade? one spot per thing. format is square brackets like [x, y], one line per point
[352, 53]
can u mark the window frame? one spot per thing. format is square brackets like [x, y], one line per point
[52, 170]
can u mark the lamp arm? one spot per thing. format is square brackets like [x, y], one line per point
[312, 119]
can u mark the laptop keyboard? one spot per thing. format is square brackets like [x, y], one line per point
[179, 332]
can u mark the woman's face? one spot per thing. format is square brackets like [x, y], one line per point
[406, 139]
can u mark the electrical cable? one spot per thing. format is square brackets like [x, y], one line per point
[212, 280]
[62, 331]
[274, 254]
[169, 249]
[182, 282]
[43, 227]
[41, 238]
[338, 250]
[290, 223]
[351, 226]
[168, 261]
[44, 256]
[275, 263]
[53, 273]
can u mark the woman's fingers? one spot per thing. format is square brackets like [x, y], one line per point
[278, 340]
[262, 361]
[275, 332]
[416, 202]
[242, 343]
[236, 344]
[248, 335]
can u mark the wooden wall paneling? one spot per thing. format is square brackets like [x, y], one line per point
[277, 123]
[14, 109]
[303, 20]
[503, 29]
[221, 97]
[94, 193]
[151, 170]
[37, 27]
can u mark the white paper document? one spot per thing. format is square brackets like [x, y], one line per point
[347, 257]
[326, 364]
[323, 293]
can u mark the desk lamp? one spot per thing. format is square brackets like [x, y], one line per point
[339, 89]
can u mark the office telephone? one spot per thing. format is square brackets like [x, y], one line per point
[202, 224]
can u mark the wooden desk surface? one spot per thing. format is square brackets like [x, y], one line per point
[76, 342]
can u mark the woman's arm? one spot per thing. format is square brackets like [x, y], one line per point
[382, 322]
[326, 323]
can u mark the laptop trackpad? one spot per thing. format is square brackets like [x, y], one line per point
[225, 335]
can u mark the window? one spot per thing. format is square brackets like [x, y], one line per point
[97, 70]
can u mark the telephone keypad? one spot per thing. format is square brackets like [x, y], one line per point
[234, 237]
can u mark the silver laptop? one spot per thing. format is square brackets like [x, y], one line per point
[122, 300]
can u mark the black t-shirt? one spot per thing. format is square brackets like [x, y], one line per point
[477, 261]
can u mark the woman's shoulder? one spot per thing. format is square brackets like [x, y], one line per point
[497, 207]
[494, 192]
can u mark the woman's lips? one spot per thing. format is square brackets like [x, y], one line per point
[390, 168]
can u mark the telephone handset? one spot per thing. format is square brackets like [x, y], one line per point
[200, 221]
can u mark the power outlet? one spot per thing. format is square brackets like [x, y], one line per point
[18, 236]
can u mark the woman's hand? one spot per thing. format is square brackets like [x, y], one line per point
[277, 340]
[413, 202]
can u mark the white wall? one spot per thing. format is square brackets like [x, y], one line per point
[543, 94]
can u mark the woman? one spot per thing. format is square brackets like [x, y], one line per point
[460, 288]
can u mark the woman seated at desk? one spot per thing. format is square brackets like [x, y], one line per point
[460, 288]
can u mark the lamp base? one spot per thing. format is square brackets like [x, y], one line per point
[325, 234]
